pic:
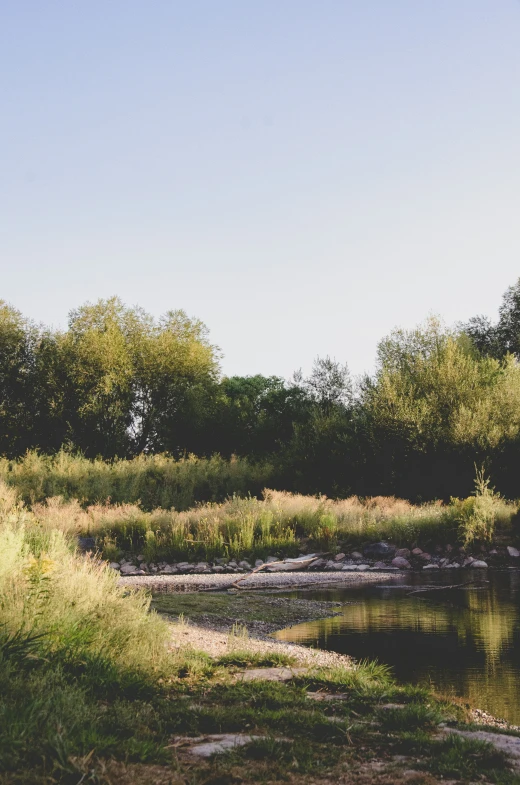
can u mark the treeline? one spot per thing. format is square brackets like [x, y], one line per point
[118, 383]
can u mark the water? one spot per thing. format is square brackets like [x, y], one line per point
[465, 642]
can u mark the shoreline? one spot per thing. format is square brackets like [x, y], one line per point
[260, 580]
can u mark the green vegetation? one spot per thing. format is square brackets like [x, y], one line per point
[118, 385]
[280, 523]
[90, 692]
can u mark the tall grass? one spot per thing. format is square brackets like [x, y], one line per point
[280, 523]
[151, 480]
[71, 602]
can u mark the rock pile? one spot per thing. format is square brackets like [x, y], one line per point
[375, 556]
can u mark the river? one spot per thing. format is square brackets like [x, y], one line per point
[465, 641]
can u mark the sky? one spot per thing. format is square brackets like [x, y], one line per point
[302, 175]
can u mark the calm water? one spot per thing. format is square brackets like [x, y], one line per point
[465, 642]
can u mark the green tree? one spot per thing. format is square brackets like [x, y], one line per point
[18, 339]
[434, 407]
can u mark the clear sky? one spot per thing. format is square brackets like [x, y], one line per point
[302, 175]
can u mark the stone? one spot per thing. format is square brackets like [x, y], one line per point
[245, 565]
[379, 549]
[339, 557]
[431, 567]
[356, 555]
[86, 544]
[467, 561]
[270, 674]
[381, 565]
[140, 557]
[128, 569]
[453, 566]
[362, 567]
[219, 743]
[349, 568]
[269, 559]
[444, 562]
[217, 568]
[114, 565]
[513, 552]
[258, 563]
[417, 551]
[402, 564]
[404, 553]
[478, 564]
[425, 557]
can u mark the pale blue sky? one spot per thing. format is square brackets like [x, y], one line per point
[301, 175]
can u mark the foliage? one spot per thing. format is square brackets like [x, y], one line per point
[118, 384]
[477, 514]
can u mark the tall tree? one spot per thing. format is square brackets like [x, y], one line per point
[18, 340]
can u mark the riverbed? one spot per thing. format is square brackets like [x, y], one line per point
[464, 641]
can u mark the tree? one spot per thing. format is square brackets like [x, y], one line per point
[434, 407]
[18, 339]
[329, 384]
[498, 340]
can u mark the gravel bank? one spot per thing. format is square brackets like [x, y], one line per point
[217, 643]
[261, 580]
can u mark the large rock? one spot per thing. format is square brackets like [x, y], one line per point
[404, 553]
[128, 569]
[403, 564]
[478, 563]
[86, 544]
[513, 552]
[379, 550]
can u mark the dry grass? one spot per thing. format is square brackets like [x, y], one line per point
[279, 523]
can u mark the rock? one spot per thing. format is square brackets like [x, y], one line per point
[350, 568]
[378, 550]
[339, 557]
[454, 566]
[269, 559]
[444, 562]
[233, 563]
[402, 564]
[115, 565]
[425, 557]
[431, 567]
[362, 567]
[417, 551]
[245, 565]
[319, 564]
[258, 563]
[217, 568]
[449, 548]
[356, 555]
[86, 544]
[270, 674]
[381, 565]
[403, 553]
[478, 563]
[140, 557]
[219, 743]
[128, 569]
[467, 561]
[513, 552]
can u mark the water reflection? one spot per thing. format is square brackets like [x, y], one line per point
[466, 642]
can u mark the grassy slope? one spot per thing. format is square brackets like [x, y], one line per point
[89, 692]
